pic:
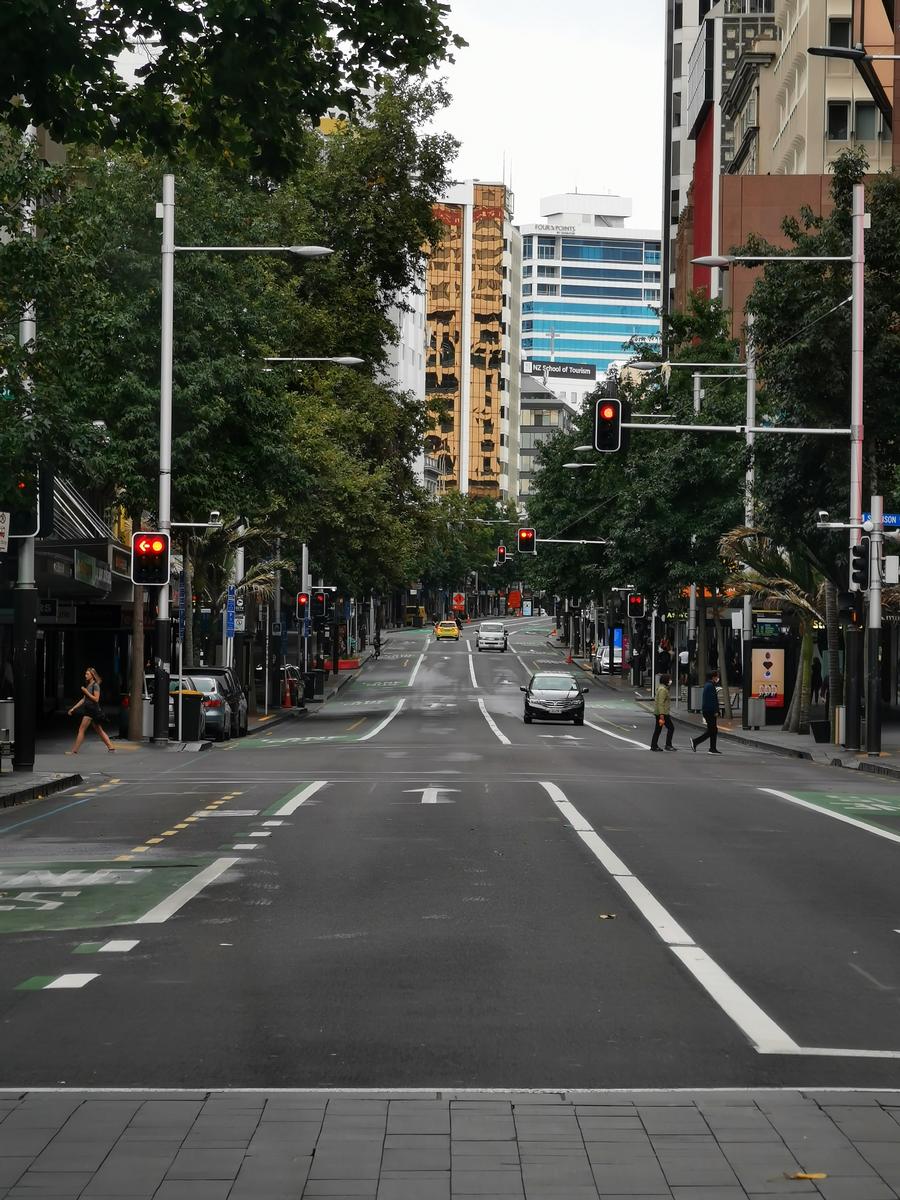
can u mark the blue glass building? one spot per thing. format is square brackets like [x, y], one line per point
[588, 286]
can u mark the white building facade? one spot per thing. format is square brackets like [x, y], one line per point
[588, 286]
[405, 369]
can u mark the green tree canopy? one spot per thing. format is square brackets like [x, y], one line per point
[239, 80]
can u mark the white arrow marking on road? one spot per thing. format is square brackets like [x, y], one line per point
[430, 794]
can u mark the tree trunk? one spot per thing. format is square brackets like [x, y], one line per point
[702, 659]
[833, 632]
[797, 719]
[187, 583]
[136, 695]
[723, 661]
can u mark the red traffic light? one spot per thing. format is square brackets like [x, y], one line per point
[527, 542]
[302, 604]
[608, 425]
[501, 554]
[150, 558]
[607, 412]
[637, 605]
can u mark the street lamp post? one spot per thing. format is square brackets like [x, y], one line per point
[856, 258]
[166, 210]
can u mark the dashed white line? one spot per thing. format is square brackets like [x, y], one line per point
[69, 981]
[117, 947]
[618, 736]
[758, 1027]
[166, 908]
[387, 720]
[293, 802]
[493, 724]
[415, 670]
[472, 664]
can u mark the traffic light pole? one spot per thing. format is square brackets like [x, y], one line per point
[163, 634]
[873, 696]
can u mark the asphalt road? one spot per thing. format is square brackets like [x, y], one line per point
[415, 889]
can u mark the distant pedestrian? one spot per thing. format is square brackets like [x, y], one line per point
[709, 710]
[662, 719]
[664, 657]
[815, 682]
[684, 664]
[92, 713]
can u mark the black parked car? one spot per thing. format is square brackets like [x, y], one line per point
[554, 696]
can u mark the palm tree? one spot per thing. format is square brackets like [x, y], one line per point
[783, 576]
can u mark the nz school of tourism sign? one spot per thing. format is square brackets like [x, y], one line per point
[562, 370]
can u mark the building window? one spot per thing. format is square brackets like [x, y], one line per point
[526, 271]
[838, 120]
[528, 247]
[865, 127]
[548, 289]
[839, 32]
[526, 289]
[548, 272]
[546, 247]
[676, 109]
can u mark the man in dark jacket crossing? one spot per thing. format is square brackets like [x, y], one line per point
[709, 710]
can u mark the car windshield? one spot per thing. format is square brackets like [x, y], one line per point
[553, 683]
[447, 625]
[491, 627]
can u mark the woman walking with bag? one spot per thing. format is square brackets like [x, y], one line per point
[92, 712]
[662, 719]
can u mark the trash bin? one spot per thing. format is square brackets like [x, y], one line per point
[8, 718]
[756, 713]
[821, 730]
[696, 697]
[190, 705]
[309, 685]
[147, 717]
[319, 676]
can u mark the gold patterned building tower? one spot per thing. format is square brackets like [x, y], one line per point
[472, 328]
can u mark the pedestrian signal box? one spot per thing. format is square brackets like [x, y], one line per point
[150, 558]
[527, 542]
[608, 425]
[501, 554]
[302, 605]
[637, 605]
[859, 566]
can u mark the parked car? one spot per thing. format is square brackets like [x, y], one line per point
[492, 635]
[237, 697]
[554, 696]
[216, 705]
[149, 693]
[600, 664]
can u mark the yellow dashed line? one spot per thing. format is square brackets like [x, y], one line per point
[153, 841]
[182, 825]
[123, 858]
[139, 849]
[192, 819]
[169, 832]
[356, 724]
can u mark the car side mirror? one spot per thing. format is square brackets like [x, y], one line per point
[523, 689]
[584, 691]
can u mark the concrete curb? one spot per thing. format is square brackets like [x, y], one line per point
[37, 790]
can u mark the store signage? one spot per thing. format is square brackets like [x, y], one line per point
[553, 228]
[562, 370]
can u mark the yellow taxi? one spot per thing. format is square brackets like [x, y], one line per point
[446, 629]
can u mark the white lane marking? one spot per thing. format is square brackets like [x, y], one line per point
[261, 833]
[168, 907]
[415, 670]
[827, 812]
[528, 670]
[69, 981]
[117, 947]
[617, 736]
[472, 667]
[430, 794]
[387, 720]
[226, 812]
[245, 846]
[273, 822]
[490, 720]
[293, 802]
[761, 1031]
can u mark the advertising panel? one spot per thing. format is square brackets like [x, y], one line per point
[767, 676]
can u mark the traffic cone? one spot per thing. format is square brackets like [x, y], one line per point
[569, 658]
[286, 698]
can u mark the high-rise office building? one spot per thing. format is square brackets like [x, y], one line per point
[588, 286]
[472, 369]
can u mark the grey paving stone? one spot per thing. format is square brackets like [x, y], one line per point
[540, 1109]
[672, 1120]
[128, 1171]
[865, 1124]
[344, 1167]
[377, 1108]
[689, 1166]
[414, 1189]
[600, 1124]
[565, 1174]
[614, 1153]
[761, 1179]
[12, 1169]
[194, 1189]
[359, 1189]
[609, 1110]
[616, 1135]
[848, 1188]
[475, 1163]
[271, 1179]
[205, 1164]
[560, 1193]
[19, 1143]
[58, 1181]
[301, 1138]
[622, 1178]
[416, 1160]
[421, 1123]
[709, 1193]
[481, 1126]
[166, 1113]
[276, 1111]
[43, 1112]
[842, 1099]
[476, 1183]
[63, 1156]
[547, 1129]
[417, 1141]
[460, 1147]
[497, 1108]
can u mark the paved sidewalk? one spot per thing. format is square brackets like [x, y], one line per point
[771, 738]
[446, 1145]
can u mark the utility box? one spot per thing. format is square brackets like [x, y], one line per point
[756, 713]
[840, 724]
[696, 698]
[8, 719]
[189, 705]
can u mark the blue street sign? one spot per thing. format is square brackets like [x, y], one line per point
[891, 520]
[182, 607]
[229, 611]
[307, 627]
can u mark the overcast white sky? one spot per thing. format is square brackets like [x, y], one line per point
[569, 90]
